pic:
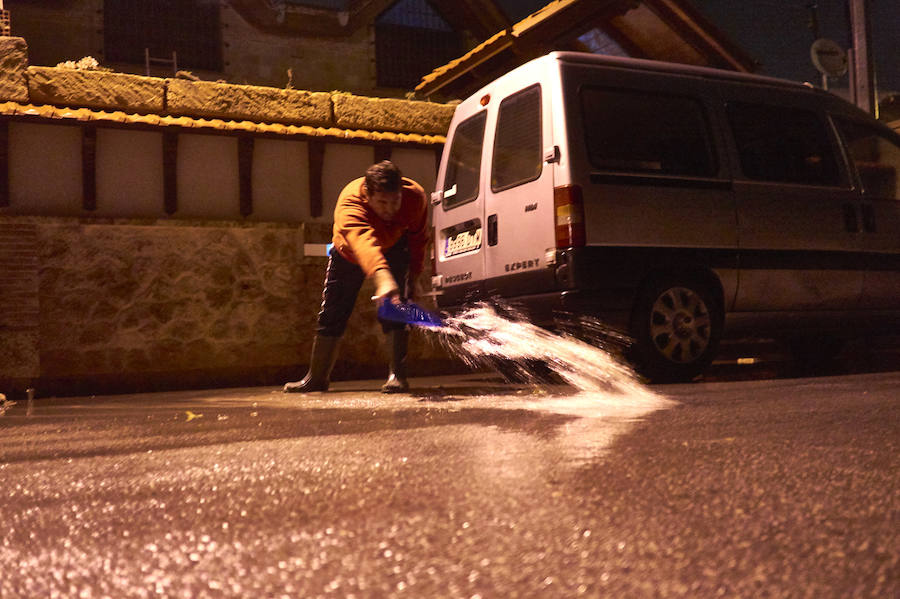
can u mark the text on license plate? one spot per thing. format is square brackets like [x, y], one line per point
[462, 242]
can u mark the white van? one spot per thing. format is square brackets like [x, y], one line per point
[672, 202]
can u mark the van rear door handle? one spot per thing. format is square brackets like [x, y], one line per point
[851, 221]
[551, 154]
[492, 229]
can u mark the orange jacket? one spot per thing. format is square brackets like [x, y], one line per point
[361, 237]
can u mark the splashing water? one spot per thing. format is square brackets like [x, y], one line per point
[481, 336]
[609, 399]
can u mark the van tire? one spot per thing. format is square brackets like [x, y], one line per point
[676, 325]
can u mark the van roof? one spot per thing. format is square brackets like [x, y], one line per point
[668, 67]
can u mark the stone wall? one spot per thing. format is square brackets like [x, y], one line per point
[100, 89]
[157, 305]
[19, 301]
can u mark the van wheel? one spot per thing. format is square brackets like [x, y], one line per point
[676, 325]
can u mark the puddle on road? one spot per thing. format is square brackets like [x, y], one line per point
[591, 383]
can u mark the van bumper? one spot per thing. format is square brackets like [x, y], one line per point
[610, 306]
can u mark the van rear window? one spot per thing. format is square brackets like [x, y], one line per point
[782, 144]
[464, 163]
[517, 145]
[638, 132]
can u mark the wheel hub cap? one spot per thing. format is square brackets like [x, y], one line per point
[680, 325]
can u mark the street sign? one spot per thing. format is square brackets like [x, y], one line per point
[828, 57]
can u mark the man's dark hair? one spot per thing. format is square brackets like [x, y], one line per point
[384, 176]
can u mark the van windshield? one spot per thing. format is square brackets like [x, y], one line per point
[464, 163]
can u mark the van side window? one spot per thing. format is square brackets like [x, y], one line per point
[637, 132]
[875, 157]
[464, 162]
[782, 144]
[517, 145]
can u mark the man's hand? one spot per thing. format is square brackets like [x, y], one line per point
[385, 286]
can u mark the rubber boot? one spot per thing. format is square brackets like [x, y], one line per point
[321, 361]
[398, 341]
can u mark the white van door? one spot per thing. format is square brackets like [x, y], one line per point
[518, 202]
[458, 215]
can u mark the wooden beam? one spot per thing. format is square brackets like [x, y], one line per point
[687, 23]
[89, 167]
[316, 168]
[170, 171]
[245, 173]
[627, 44]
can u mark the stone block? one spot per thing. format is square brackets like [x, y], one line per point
[96, 89]
[13, 64]
[389, 114]
[248, 102]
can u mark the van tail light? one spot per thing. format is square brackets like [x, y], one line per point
[568, 206]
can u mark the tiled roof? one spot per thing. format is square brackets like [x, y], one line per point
[497, 43]
[85, 114]
[687, 25]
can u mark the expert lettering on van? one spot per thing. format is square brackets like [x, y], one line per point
[679, 204]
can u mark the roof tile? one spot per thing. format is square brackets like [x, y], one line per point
[87, 114]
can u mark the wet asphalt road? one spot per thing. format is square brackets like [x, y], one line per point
[464, 488]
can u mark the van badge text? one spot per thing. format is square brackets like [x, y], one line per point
[531, 207]
[523, 265]
[458, 278]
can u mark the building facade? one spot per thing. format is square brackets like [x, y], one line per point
[371, 47]
[159, 233]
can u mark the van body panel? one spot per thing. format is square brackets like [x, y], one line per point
[881, 281]
[617, 203]
[780, 220]
[874, 163]
[796, 249]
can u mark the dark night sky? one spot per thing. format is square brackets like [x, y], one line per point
[777, 33]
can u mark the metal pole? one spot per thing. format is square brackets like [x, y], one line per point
[863, 91]
[813, 8]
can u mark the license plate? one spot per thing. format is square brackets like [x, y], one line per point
[462, 242]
